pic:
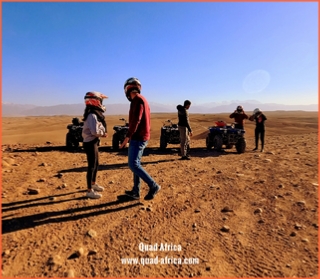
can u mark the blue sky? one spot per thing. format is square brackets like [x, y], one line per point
[53, 53]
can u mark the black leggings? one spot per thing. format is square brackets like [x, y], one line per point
[91, 149]
[260, 132]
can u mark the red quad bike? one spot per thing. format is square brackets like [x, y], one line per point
[226, 135]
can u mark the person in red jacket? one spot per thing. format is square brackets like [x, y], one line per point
[138, 134]
[239, 117]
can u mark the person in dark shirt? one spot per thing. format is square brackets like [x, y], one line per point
[260, 118]
[239, 116]
[138, 134]
[184, 129]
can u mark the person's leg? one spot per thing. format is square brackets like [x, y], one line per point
[95, 163]
[135, 153]
[262, 134]
[256, 137]
[183, 140]
[90, 150]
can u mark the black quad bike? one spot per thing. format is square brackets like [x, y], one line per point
[169, 134]
[226, 135]
[120, 132]
[74, 135]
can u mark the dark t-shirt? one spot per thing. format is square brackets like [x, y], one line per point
[260, 119]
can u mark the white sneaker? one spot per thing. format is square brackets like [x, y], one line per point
[93, 195]
[97, 187]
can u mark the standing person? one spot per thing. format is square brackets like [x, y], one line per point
[260, 118]
[138, 134]
[239, 117]
[184, 129]
[94, 127]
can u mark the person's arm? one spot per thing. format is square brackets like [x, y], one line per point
[251, 118]
[232, 115]
[135, 119]
[95, 127]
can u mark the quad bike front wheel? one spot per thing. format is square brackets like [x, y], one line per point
[163, 143]
[241, 145]
[71, 142]
[115, 142]
[208, 142]
[217, 142]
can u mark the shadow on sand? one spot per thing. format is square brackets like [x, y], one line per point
[12, 224]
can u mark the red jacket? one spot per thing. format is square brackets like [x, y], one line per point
[239, 117]
[139, 119]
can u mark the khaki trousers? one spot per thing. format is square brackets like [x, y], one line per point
[184, 140]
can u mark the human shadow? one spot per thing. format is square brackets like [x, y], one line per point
[38, 199]
[113, 166]
[32, 221]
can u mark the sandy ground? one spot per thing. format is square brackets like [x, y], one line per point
[221, 214]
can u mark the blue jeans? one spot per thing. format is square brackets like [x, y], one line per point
[135, 152]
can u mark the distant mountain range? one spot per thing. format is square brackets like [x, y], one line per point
[9, 109]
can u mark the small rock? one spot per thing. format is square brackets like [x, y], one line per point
[43, 165]
[197, 210]
[6, 253]
[208, 268]
[301, 203]
[92, 233]
[267, 160]
[219, 171]
[270, 152]
[305, 240]
[194, 225]
[298, 226]
[261, 221]
[225, 229]
[111, 182]
[281, 186]
[315, 184]
[77, 254]
[226, 209]
[148, 209]
[48, 142]
[92, 252]
[52, 198]
[70, 273]
[257, 211]
[41, 180]
[55, 260]
[59, 175]
[293, 234]
[32, 191]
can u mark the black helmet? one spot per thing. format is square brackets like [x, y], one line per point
[132, 85]
[239, 109]
[76, 121]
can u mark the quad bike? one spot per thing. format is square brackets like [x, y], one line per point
[74, 135]
[120, 132]
[169, 134]
[227, 135]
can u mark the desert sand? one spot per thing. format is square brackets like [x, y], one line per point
[221, 214]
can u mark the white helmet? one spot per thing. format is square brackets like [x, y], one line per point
[256, 110]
